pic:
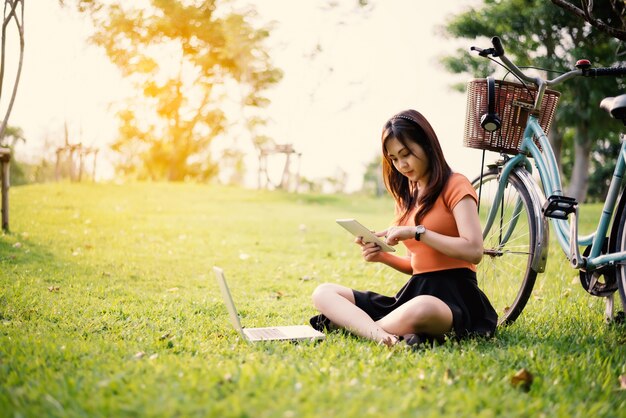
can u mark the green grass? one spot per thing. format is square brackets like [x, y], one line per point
[108, 307]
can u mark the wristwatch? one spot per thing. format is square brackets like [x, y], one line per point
[419, 230]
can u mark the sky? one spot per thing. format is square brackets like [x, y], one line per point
[331, 107]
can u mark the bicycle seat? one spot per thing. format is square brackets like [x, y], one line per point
[616, 106]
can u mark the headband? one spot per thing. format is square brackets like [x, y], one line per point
[406, 118]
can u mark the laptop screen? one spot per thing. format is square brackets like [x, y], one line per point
[228, 300]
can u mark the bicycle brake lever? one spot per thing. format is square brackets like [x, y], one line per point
[483, 52]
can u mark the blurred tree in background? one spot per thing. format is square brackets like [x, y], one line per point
[11, 70]
[607, 16]
[373, 182]
[13, 18]
[191, 62]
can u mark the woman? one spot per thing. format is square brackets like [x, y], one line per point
[437, 220]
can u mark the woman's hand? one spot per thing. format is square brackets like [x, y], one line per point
[394, 234]
[370, 251]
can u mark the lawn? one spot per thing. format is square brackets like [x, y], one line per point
[108, 307]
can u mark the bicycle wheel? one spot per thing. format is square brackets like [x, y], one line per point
[505, 273]
[620, 243]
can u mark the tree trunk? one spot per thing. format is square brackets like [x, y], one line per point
[5, 158]
[580, 173]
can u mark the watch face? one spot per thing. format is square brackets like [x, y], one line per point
[419, 229]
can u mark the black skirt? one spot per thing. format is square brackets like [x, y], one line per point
[472, 312]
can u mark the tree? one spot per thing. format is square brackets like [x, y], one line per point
[190, 61]
[13, 14]
[373, 178]
[609, 17]
[536, 32]
[14, 134]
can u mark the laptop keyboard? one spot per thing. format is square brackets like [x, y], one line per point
[266, 333]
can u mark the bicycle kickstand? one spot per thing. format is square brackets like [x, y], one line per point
[608, 311]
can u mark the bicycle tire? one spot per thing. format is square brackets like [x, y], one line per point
[505, 273]
[620, 244]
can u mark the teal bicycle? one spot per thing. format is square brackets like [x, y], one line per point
[514, 207]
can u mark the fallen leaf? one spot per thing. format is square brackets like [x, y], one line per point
[522, 379]
[164, 336]
[139, 355]
[622, 382]
[54, 289]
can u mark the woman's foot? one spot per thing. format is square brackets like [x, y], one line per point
[390, 340]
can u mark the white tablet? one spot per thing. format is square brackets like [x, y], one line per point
[359, 230]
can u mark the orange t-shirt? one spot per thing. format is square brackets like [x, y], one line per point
[440, 219]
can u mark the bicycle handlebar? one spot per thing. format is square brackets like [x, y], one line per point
[583, 70]
[608, 71]
[497, 46]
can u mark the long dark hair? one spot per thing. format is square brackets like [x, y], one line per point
[411, 126]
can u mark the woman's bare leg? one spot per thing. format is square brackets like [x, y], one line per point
[421, 315]
[338, 304]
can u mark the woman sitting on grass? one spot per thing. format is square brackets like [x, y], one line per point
[437, 220]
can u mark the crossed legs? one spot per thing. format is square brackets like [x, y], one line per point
[421, 315]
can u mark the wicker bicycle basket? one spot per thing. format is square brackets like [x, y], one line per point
[513, 103]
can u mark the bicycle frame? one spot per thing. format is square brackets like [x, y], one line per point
[545, 162]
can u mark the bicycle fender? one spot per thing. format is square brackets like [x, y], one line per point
[540, 253]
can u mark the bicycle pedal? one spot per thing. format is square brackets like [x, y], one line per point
[559, 207]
